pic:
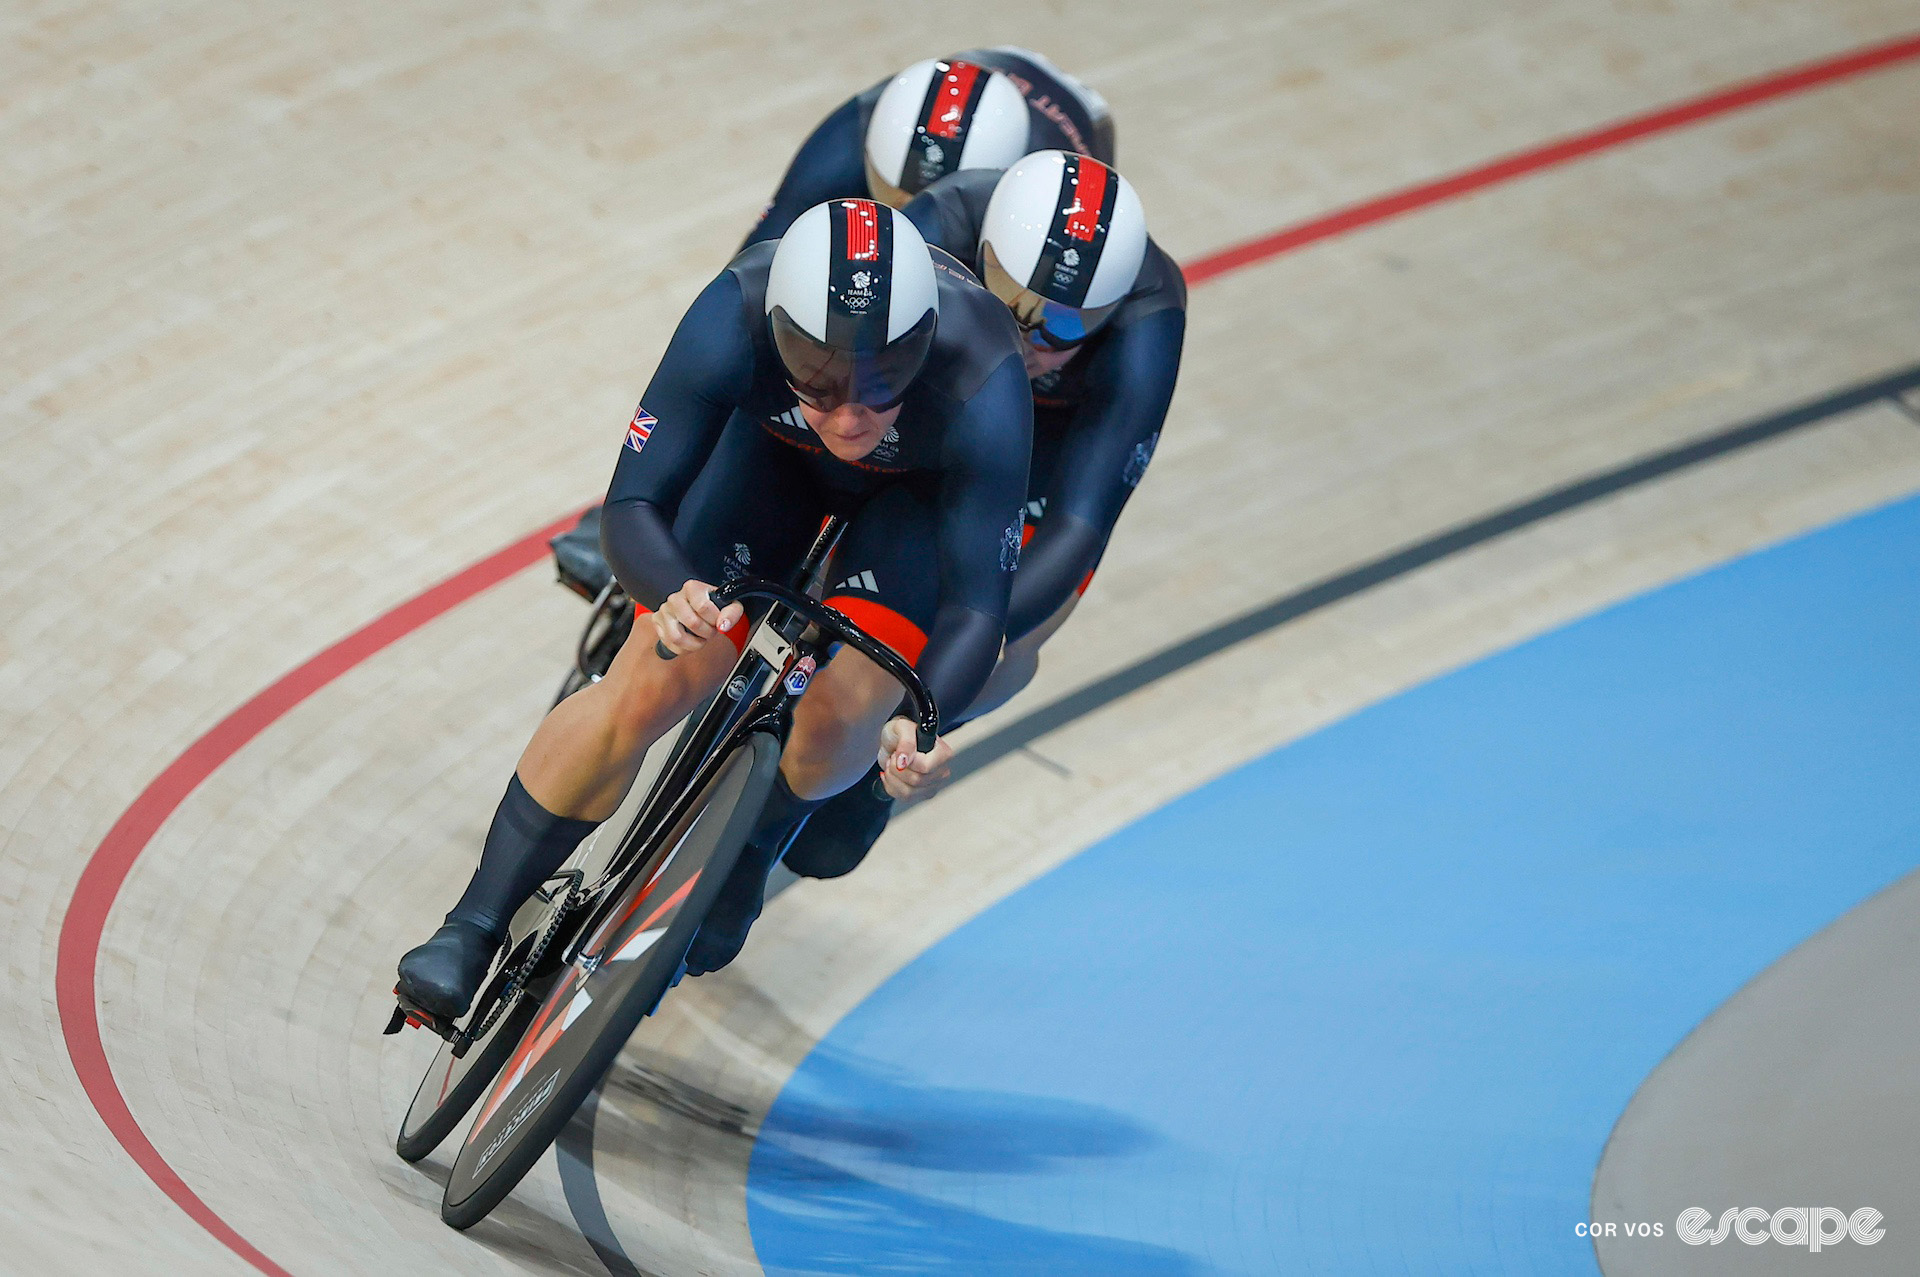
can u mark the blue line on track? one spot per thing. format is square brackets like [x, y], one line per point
[1372, 1003]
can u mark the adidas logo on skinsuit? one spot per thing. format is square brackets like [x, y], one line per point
[860, 581]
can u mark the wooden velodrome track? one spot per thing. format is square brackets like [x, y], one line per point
[308, 308]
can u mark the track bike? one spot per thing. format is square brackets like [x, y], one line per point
[602, 951]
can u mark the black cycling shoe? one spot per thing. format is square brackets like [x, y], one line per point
[838, 836]
[735, 909]
[443, 974]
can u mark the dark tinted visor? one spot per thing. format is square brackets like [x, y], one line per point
[1047, 324]
[826, 376]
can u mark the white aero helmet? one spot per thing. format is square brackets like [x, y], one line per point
[937, 118]
[1063, 241]
[852, 302]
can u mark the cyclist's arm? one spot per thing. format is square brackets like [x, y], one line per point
[1108, 445]
[700, 380]
[830, 165]
[981, 491]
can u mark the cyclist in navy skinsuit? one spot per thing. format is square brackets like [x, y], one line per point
[1056, 226]
[849, 369]
[834, 161]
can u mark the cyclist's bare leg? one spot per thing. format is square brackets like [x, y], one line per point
[836, 726]
[835, 737]
[840, 834]
[575, 771]
[588, 749]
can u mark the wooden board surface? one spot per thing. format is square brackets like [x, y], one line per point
[305, 309]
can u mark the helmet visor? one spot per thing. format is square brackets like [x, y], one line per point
[1049, 325]
[826, 377]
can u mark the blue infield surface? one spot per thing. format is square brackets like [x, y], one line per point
[1372, 1003]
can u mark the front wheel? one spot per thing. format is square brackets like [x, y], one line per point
[614, 981]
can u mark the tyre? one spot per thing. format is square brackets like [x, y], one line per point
[620, 973]
[451, 1086]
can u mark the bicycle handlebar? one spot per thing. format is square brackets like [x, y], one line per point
[926, 713]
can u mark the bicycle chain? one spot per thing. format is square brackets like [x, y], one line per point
[517, 982]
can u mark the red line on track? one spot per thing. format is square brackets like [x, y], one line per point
[75, 988]
[111, 862]
[1553, 154]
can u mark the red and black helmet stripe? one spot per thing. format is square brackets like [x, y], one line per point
[945, 116]
[859, 275]
[1078, 235]
[1084, 220]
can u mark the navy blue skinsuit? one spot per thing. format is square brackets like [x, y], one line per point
[1063, 115]
[721, 476]
[1096, 421]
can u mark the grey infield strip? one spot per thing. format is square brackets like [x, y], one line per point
[576, 1142]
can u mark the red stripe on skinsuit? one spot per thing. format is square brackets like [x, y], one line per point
[111, 862]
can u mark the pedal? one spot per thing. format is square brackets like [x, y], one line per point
[410, 1014]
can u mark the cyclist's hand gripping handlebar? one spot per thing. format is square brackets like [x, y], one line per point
[925, 713]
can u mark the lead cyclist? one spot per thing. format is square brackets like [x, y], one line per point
[848, 369]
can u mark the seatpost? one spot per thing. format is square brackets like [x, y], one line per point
[816, 557]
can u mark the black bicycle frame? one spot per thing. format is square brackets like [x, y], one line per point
[790, 642]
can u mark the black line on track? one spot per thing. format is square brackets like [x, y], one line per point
[576, 1142]
[574, 1154]
[1031, 726]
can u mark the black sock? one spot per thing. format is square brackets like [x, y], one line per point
[741, 896]
[837, 837]
[525, 844]
[783, 814]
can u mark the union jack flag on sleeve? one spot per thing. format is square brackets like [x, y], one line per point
[640, 428]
